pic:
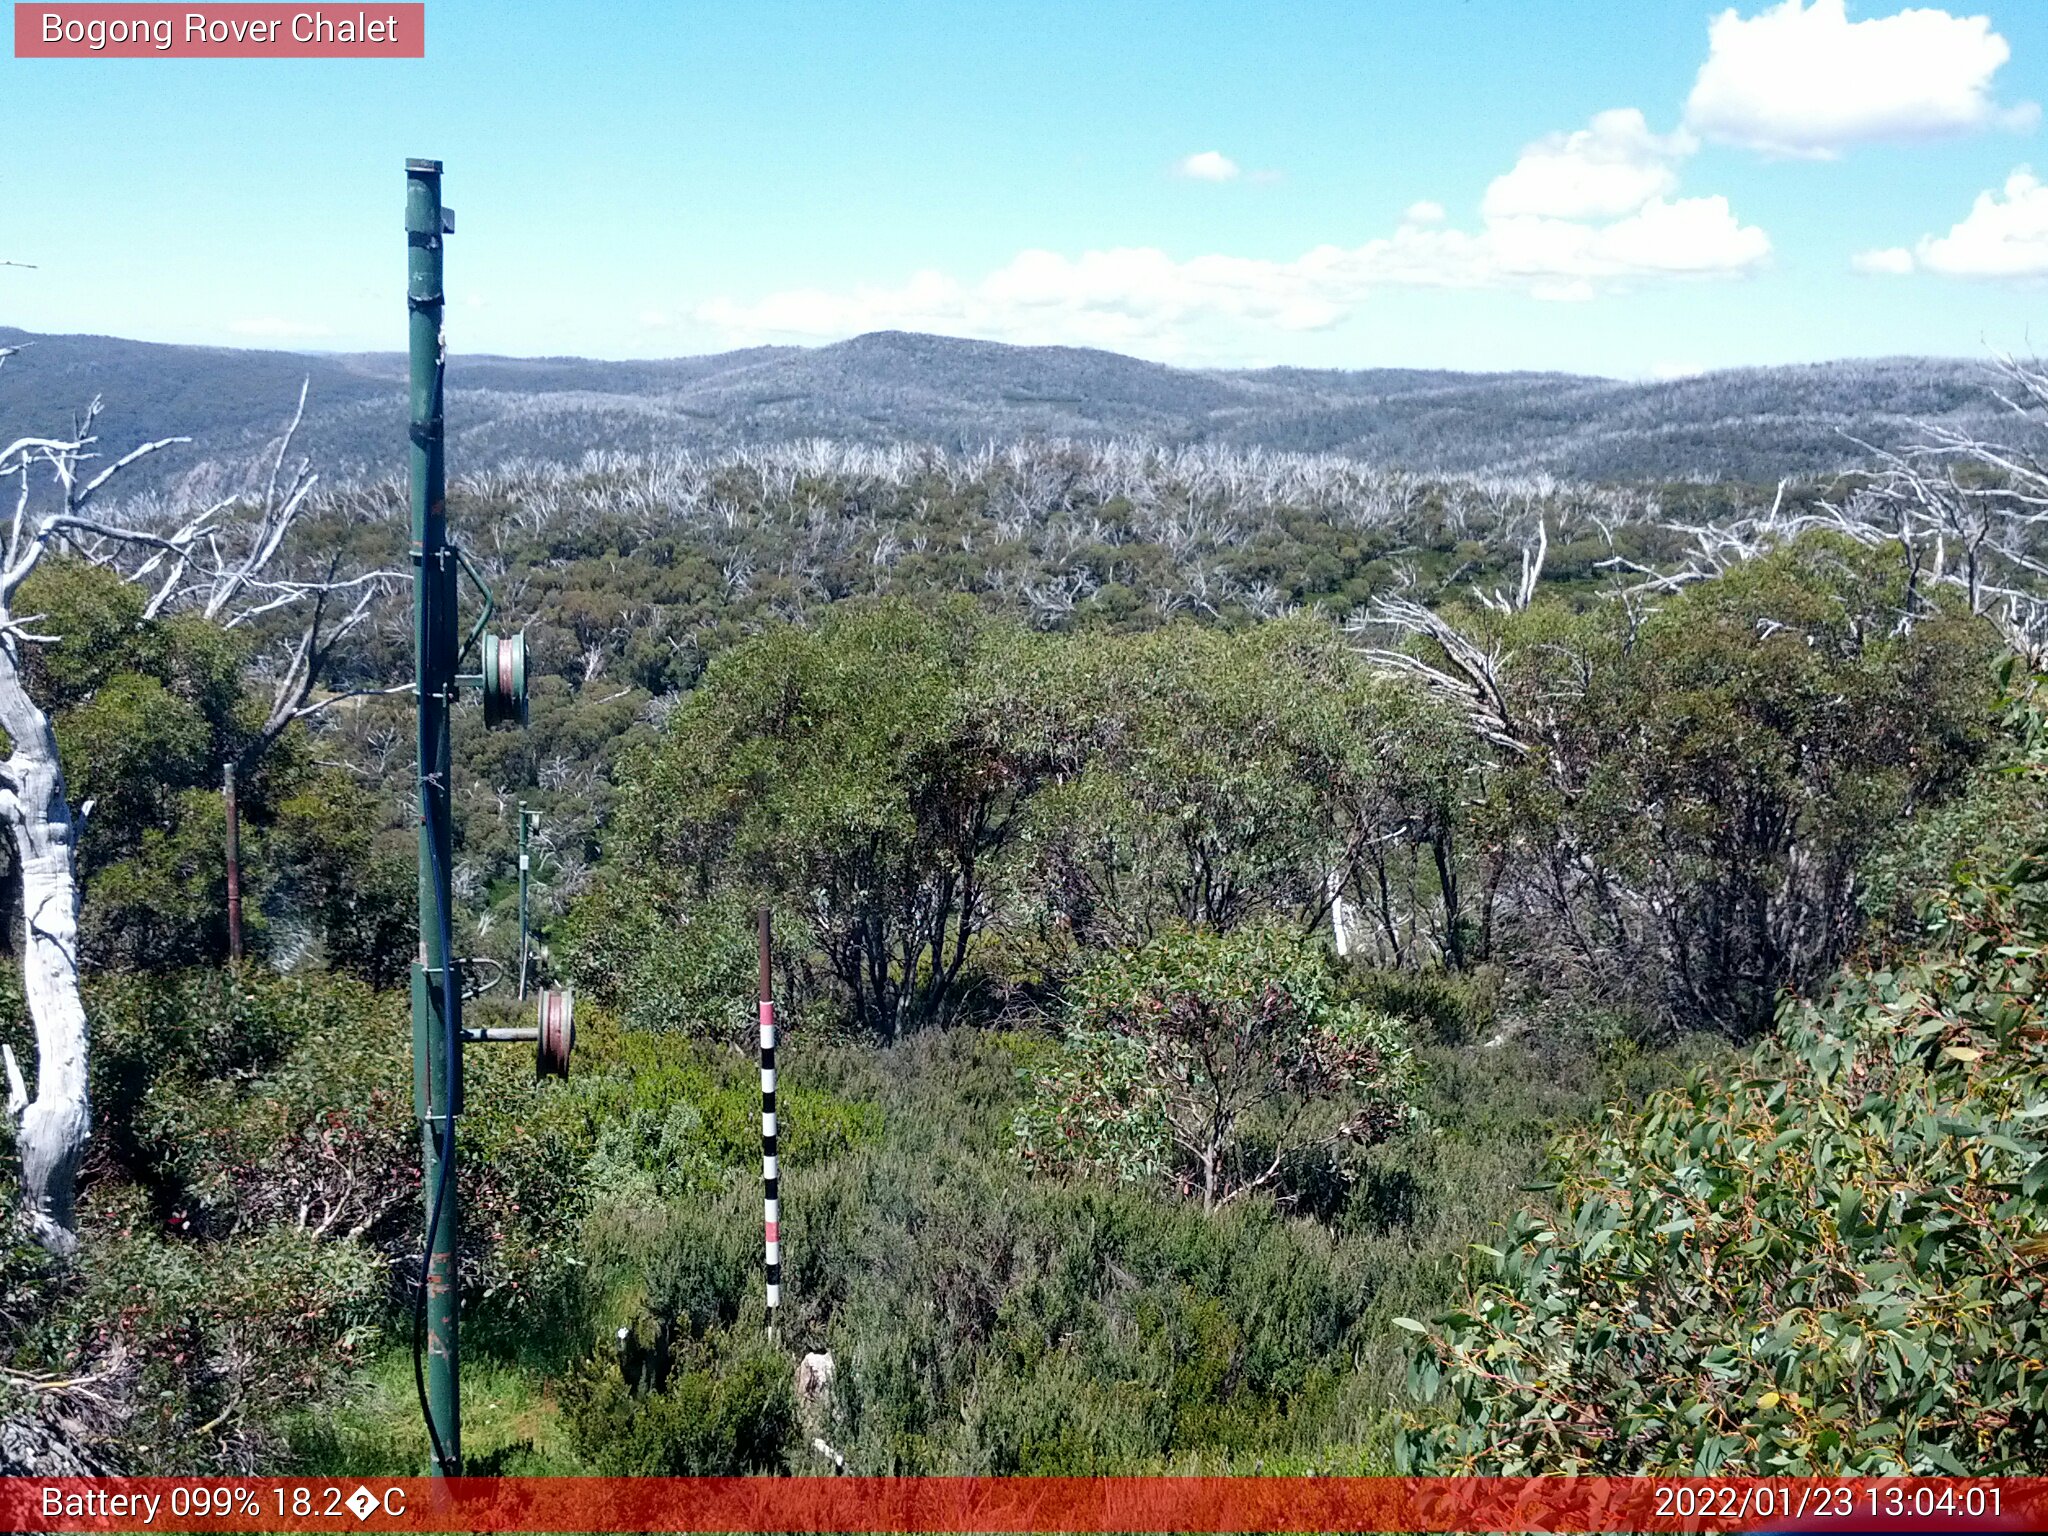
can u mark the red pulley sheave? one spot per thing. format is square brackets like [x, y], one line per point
[504, 680]
[557, 1031]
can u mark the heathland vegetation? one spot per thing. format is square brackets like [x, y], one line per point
[1287, 966]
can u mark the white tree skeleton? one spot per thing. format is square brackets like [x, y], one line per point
[188, 567]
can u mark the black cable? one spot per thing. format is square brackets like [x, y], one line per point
[442, 1183]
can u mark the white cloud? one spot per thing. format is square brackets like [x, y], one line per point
[1691, 236]
[1143, 299]
[1209, 165]
[1578, 214]
[2005, 234]
[1999, 237]
[1122, 298]
[1603, 171]
[271, 328]
[1803, 79]
[1893, 261]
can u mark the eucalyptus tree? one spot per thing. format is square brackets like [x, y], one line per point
[1691, 785]
[221, 561]
[1206, 778]
[868, 774]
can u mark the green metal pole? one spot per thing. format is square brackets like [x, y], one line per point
[522, 897]
[437, 1062]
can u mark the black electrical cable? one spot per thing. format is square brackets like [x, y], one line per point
[451, 1045]
[447, 1173]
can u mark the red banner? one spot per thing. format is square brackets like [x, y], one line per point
[238, 31]
[876, 1504]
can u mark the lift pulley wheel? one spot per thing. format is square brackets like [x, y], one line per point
[504, 680]
[557, 1031]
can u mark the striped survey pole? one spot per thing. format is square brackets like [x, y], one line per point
[771, 1205]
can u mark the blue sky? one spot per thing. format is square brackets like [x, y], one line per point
[1631, 187]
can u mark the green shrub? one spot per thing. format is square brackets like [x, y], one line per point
[1447, 1007]
[239, 1099]
[663, 964]
[322, 859]
[876, 764]
[213, 1344]
[670, 1116]
[727, 1408]
[967, 1300]
[1826, 1261]
[1207, 777]
[1225, 1060]
[1705, 782]
[526, 1149]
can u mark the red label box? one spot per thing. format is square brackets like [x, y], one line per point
[371, 30]
[1849, 1506]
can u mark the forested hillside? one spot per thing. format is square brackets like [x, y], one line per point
[1755, 424]
[1207, 883]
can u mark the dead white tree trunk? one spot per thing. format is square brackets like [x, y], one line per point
[53, 1124]
[1340, 927]
[51, 1127]
[1470, 677]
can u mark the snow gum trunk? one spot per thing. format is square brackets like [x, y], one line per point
[53, 1126]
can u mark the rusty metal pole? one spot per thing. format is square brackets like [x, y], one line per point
[234, 815]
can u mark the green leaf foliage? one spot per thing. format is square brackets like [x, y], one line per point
[148, 712]
[1827, 1260]
[866, 773]
[728, 1407]
[1706, 782]
[1221, 1060]
[1206, 777]
[660, 961]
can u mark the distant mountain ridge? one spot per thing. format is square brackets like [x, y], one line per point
[1751, 424]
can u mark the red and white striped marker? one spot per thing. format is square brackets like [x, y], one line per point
[771, 1204]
